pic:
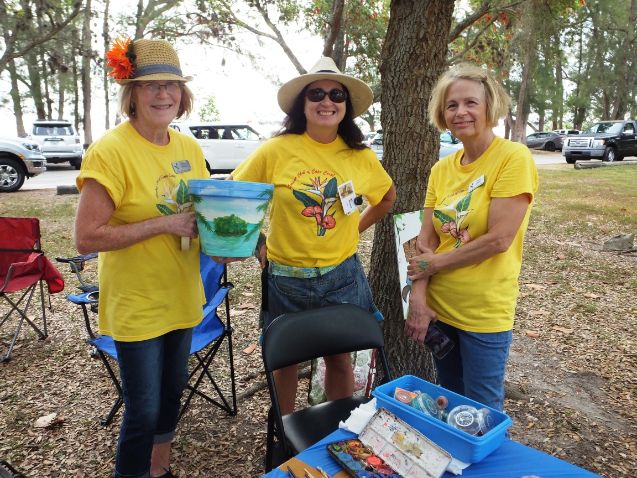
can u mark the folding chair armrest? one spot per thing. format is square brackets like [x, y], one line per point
[76, 264]
[23, 268]
[77, 261]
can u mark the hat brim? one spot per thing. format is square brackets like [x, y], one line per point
[360, 94]
[156, 77]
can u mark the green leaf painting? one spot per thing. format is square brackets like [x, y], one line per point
[304, 198]
[442, 217]
[165, 210]
[182, 193]
[331, 189]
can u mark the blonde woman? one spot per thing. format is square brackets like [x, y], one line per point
[132, 211]
[476, 212]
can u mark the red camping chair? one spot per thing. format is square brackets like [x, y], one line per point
[23, 266]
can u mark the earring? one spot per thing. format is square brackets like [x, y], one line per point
[132, 109]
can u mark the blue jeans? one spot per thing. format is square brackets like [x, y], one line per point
[346, 284]
[154, 374]
[476, 365]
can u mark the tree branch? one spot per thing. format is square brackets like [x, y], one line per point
[10, 52]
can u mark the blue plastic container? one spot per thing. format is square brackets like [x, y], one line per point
[229, 215]
[461, 445]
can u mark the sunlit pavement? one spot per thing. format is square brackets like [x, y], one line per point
[63, 175]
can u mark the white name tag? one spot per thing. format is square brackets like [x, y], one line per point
[181, 166]
[476, 184]
[347, 195]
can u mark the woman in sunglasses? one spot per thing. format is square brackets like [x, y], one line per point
[314, 230]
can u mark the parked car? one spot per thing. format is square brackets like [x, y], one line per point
[369, 137]
[605, 140]
[549, 141]
[565, 132]
[19, 159]
[448, 144]
[58, 141]
[224, 145]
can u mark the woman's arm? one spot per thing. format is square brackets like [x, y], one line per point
[94, 234]
[420, 315]
[505, 218]
[373, 214]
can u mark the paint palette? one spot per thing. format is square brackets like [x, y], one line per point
[360, 461]
[390, 448]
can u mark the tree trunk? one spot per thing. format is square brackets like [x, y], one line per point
[35, 84]
[414, 55]
[519, 128]
[105, 83]
[86, 74]
[15, 98]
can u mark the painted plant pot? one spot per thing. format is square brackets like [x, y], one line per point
[229, 215]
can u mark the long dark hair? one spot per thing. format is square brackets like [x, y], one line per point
[296, 123]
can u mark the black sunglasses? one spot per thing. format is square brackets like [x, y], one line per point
[317, 94]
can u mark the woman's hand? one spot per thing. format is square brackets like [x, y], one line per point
[418, 320]
[182, 224]
[422, 266]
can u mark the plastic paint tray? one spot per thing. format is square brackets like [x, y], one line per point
[461, 445]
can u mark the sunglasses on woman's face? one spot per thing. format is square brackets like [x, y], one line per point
[336, 95]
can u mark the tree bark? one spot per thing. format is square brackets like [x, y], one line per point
[414, 55]
[105, 83]
[86, 74]
[15, 98]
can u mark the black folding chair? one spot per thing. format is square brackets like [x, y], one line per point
[207, 339]
[297, 337]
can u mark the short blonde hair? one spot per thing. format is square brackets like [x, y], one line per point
[126, 106]
[497, 100]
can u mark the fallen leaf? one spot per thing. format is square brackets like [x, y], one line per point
[46, 421]
[536, 286]
[532, 333]
[250, 348]
[590, 295]
[247, 306]
[538, 312]
[565, 330]
[247, 294]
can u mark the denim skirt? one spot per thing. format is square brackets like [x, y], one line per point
[345, 284]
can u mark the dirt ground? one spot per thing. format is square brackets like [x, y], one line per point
[571, 381]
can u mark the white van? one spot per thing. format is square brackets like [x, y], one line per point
[224, 145]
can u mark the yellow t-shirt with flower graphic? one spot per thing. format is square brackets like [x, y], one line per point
[308, 227]
[152, 287]
[479, 297]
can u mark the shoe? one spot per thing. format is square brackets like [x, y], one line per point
[168, 474]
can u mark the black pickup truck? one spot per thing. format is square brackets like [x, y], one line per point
[605, 140]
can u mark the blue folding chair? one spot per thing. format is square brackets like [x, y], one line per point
[207, 337]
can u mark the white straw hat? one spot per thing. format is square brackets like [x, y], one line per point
[360, 94]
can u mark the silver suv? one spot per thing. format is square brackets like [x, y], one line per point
[58, 140]
[19, 159]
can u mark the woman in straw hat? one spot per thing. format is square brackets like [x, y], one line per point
[133, 211]
[314, 231]
[476, 213]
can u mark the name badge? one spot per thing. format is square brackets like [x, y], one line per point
[476, 184]
[181, 166]
[348, 197]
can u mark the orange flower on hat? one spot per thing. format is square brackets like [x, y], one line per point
[121, 59]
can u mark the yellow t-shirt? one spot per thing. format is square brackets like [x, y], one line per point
[308, 227]
[479, 297]
[152, 287]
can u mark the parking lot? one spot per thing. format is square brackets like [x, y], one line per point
[64, 175]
